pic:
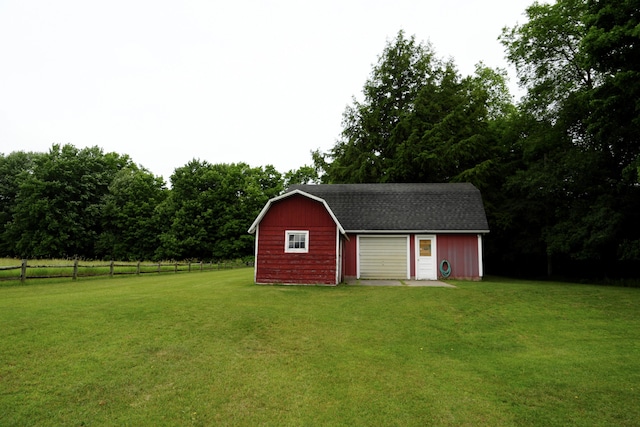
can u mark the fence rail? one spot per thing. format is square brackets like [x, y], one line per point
[35, 270]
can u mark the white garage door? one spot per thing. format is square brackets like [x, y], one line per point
[383, 257]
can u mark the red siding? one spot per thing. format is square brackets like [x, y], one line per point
[461, 250]
[349, 268]
[297, 212]
[412, 256]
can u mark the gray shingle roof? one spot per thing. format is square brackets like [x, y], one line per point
[403, 207]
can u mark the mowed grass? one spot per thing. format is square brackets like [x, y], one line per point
[213, 349]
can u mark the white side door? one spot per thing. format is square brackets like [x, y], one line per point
[426, 268]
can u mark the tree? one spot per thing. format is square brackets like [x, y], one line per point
[243, 191]
[303, 175]
[14, 169]
[130, 226]
[547, 56]
[211, 207]
[419, 121]
[58, 205]
[612, 47]
[371, 128]
[576, 156]
[455, 130]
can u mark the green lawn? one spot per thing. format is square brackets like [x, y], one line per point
[213, 349]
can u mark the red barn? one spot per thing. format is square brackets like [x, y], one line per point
[320, 234]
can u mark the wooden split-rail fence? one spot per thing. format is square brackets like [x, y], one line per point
[37, 270]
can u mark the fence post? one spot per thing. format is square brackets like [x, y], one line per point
[189, 266]
[201, 266]
[111, 269]
[138, 268]
[175, 268]
[75, 268]
[23, 271]
[159, 265]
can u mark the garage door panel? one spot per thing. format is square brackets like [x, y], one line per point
[383, 257]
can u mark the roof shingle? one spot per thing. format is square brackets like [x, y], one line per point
[403, 207]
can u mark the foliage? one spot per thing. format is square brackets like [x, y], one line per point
[213, 349]
[82, 202]
[131, 227]
[211, 208]
[303, 175]
[611, 46]
[547, 56]
[58, 204]
[14, 168]
[579, 145]
[559, 173]
[419, 121]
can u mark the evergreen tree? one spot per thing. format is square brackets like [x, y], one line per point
[419, 121]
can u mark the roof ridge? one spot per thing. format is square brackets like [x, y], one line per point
[403, 206]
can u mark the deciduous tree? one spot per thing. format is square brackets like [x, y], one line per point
[131, 227]
[303, 175]
[211, 207]
[58, 205]
[14, 169]
[578, 165]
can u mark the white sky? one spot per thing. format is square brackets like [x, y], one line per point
[261, 82]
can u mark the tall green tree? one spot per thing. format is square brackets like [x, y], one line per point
[373, 127]
[243, 191]
[211, 207]
[456, 130]
[420, 121]
[130, 225]
[612, 47]
[58, 204]
[546, 53]
[14, 169]
[571, 172]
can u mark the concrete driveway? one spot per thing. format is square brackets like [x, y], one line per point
[415, 283]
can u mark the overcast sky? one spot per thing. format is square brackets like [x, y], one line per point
[261, 82]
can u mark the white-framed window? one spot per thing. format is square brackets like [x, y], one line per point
[296, 241]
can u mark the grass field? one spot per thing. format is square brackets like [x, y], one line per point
[213, 349]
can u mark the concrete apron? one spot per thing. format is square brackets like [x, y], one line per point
[414, 283]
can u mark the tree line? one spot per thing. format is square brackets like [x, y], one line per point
[72, 202]
[559, 169]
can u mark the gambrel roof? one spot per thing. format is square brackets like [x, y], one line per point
[454, 207]
[290, 193]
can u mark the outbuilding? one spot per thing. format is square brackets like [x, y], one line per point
[322, 234]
